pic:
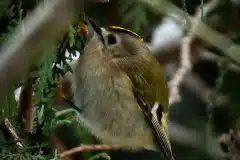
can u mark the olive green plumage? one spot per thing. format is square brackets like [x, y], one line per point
[114, 70]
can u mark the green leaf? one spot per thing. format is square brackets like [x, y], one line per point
[40, 114]
[62, 122]
[71, 36]
[100, 155]
[66, 112]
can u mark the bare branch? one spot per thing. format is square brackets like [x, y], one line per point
[13, 133]
[88, 148]
[191, 137]
[178, 134]
[186, 65]
[203, 32]
[230, 142]
[26, 107]
[209, 56]
[185, 59]
[169, 52]
[196, 85]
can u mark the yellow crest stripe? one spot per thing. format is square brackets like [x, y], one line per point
[117, 28]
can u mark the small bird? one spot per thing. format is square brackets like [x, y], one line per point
[120, 90]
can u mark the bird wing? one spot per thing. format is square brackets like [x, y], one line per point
[151, 114]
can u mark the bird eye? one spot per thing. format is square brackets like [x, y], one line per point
[111, 39]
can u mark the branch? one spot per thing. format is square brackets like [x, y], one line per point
[178, 133]
[207, 34]
[170, 53]
[190, 137]
[186, 65]
[26, 107]
[13, 133]
[185, 59]
[196, 85]
[44, 27]
[209, 56]
[89, 148]
[230, 143]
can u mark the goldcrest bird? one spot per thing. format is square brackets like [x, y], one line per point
[121, 92]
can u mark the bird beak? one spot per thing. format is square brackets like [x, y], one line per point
[89, 27]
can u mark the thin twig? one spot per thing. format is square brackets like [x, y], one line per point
[185, 55]
[185, 67]
[26, 107]
[210, 56]
[205, 33]
[186, 136]
[88, 148]
[169, 53]
[197, 86]
[230, 142]
[193, 138]
[13, 133]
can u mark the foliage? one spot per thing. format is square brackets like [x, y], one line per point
[52, 65]
[137, 14]
[55, 63]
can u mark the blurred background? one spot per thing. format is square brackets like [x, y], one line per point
[204, 114]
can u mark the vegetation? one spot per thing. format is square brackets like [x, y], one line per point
[204, 113]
